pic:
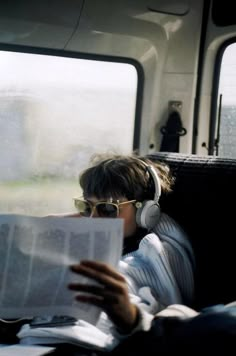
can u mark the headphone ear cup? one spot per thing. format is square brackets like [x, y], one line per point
[148, 214]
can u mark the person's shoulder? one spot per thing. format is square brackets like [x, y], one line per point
[172, 234]
[167, 226]
[167, 219]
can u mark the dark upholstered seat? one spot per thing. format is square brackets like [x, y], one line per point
[203, 201]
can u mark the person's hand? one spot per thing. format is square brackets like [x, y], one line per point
[111, 294]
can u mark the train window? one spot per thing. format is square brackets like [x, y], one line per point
[55, 113]
[226, 127]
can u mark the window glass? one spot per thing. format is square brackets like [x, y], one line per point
[226, 128]
[55, 113]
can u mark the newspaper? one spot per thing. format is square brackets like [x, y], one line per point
[13, 350]
[35, 255]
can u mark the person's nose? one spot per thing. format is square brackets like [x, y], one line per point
[94, 213]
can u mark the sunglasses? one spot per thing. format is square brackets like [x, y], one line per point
[104, 209]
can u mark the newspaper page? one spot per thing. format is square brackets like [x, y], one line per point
[35, 255]
[20, 350]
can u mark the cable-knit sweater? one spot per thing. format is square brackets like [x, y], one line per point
[160, 272]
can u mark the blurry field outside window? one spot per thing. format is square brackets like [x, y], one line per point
[227, 93]
[55, 113]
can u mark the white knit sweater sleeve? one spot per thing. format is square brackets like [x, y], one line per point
[146, 319]
[160, 272]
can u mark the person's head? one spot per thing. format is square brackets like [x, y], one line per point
[123, 180]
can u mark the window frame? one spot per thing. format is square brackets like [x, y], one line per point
[213, 122]
[95, 57]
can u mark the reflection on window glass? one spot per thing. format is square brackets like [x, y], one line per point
[55, 113]
[227, 91]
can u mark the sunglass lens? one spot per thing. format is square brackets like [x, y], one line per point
[83, 207]
[107, 210]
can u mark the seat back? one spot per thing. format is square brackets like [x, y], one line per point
[203, 203]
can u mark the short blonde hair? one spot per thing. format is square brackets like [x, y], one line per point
[116, 176]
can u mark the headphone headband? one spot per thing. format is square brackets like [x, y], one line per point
[156, 179]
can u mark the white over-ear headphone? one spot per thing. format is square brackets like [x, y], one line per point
[148, 213]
